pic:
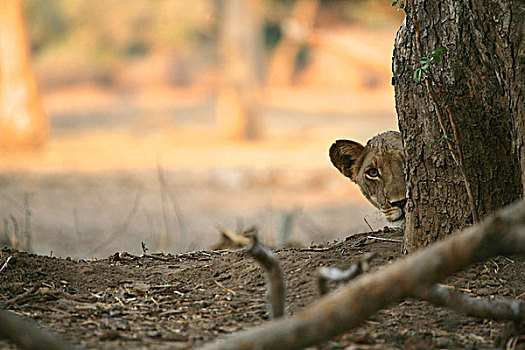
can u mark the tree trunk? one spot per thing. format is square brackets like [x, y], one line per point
[23, 123]
[482, 77]
[299, 24]
[241, 54]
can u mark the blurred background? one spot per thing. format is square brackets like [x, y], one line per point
[154, 121]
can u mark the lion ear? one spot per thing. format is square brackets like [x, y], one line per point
[344, 155]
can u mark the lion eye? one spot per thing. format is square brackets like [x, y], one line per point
[373, 172]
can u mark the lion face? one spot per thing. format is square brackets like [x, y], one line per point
[378, 170]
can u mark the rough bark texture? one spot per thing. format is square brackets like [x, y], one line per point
[482, 78]
[22, 119]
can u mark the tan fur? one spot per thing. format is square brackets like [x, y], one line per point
[378, 170]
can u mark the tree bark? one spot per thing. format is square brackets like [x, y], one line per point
[482, 77]
[23, 123]
[241, 54]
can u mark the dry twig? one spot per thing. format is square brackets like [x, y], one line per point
[275, 275]
[27, 294]
[385, 239]
[369, 226]
[336, 275]
[156, 257]
[231, 291]
[502, 234]
[167, 193]
[5, 263]
[28, 213]
[493, 309]
[123, 228]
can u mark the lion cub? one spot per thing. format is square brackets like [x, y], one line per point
[378, 170]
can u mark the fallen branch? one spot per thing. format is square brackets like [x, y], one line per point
[501, 234]
[334, 274]
[276, 289]
[27, 335]
[492, 309]
[438, 295]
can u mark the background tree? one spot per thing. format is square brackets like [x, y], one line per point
[241, 55]
[22, 120]
[481, 77]
[301, 21]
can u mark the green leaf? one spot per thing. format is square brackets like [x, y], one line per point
[440, 50]
[394, 3]
[436, 55]
[444, 137]
[417, 75]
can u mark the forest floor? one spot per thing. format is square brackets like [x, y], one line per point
[182, 301]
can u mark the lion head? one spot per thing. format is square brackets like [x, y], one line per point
[378, 170]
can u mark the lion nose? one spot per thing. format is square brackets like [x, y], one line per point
[399, 204]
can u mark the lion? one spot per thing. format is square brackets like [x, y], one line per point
[378, 170]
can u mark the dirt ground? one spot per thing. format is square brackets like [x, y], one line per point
[183, 301]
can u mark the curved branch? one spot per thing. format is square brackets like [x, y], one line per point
[481, 308]
[276, 289]
[334, 274]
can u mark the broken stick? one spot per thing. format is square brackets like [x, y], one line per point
[276, 289]
[481, 308]
[334, 274]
